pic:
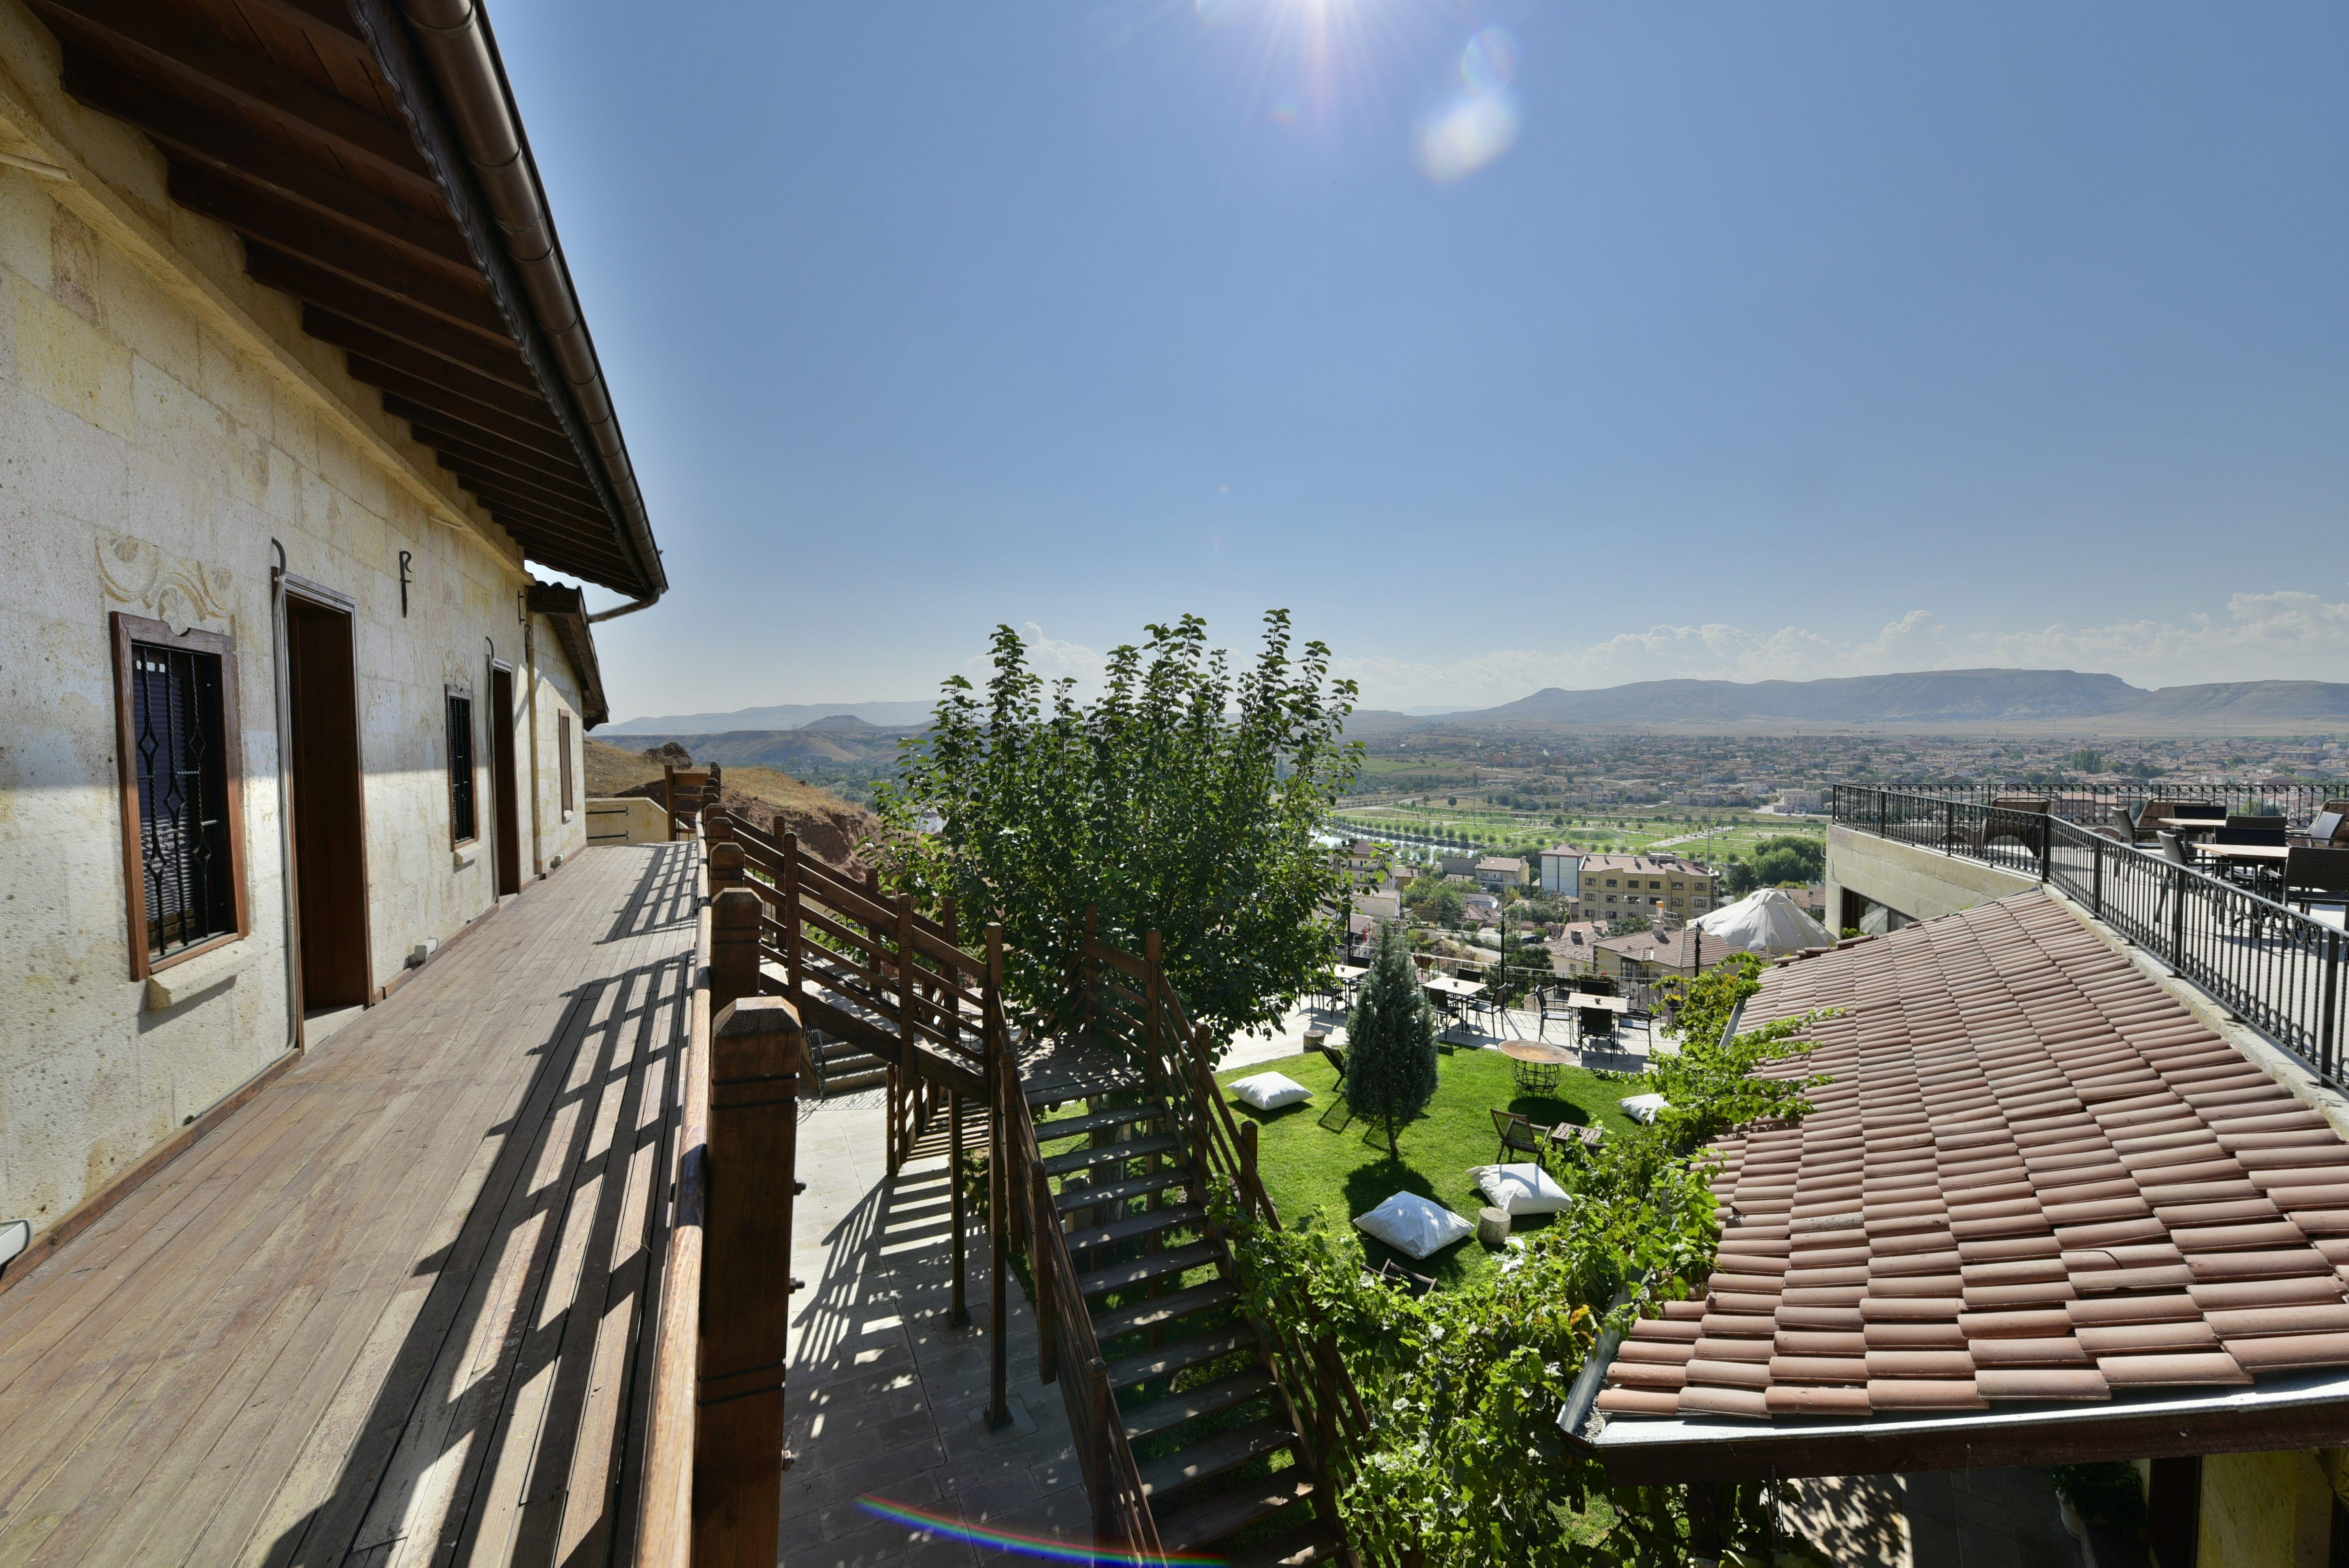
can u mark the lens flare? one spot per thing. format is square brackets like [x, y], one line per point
[1215, 13]
[1481, 124]
[1489, 63]
[1042, 1546]
[1286, 110]
[1465, 135]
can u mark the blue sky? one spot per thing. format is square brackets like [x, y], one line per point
[1780, 340]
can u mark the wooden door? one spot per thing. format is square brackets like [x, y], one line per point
[328, 798]
[502, 781]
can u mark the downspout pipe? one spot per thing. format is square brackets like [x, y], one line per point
[454, 39]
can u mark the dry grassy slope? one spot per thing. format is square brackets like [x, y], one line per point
[827, 825]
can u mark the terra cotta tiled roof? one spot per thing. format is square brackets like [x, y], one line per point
[2035, 1177]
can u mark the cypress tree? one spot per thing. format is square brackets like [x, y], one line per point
[1390, 1038]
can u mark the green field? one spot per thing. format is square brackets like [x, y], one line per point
[1619, 831]
[1318, 1155]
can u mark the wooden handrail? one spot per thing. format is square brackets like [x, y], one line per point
[1068, 1351]
[665, 1520]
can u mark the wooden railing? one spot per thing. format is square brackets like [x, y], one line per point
[665, 1522]
[1070, 1353]
[712, 1456]
[1135, 1002]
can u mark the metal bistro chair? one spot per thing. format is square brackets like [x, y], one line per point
[2313, 875]
[1553, 1004]
[2327, 828]
[1520, 1135]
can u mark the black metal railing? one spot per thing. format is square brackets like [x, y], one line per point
[2276, 969]
[2097, 805]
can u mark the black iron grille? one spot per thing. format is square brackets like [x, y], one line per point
[183, 837]
[460, 769]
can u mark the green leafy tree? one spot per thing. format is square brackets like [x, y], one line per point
[1183, 801]
[1788, 857]
[1390, 1038]
[1467, 1467]
[1435, 902]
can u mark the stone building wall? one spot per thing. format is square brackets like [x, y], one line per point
[162, 421]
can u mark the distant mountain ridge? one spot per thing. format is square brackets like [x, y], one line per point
[2036, 697]
[786, 715]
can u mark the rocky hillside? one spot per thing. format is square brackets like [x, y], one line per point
[829, 827]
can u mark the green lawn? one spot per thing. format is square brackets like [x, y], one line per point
[1318, 1155]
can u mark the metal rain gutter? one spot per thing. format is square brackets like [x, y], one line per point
[454, 39]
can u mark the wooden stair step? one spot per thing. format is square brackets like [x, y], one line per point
[1229, 1512]
[1214, 1455]
[1110, 1154]
[1297, 1548]
[1141, 1271]
[1160, 1311]
[1083, 1197]
[1168, 1359]
[1190, 1404]
[1075, 1126]
[1133, 1225]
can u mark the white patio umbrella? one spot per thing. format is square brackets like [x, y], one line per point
[1766, 920]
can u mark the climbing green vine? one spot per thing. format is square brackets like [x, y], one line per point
[1465, 1466]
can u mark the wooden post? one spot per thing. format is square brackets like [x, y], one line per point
[1003, 1078]
[958, 1316]
[726, 866]
[733, 945]
[668, 796]
[889, 1115]
[1048, 1344]
[1247, 1165]
[795, 964]
[757, 1050]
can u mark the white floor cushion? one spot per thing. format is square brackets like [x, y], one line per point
[1521, 1189]
[1413, 1226]
[1642, 1106]
[1270, 1092]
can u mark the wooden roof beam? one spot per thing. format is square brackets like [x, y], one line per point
[465, 464]
[553, 503]
[273, 233]
[462, 409]
[510, 389]
[385, 313]
[492, 456]
[244, 159]
[436, 427]
[167, 40]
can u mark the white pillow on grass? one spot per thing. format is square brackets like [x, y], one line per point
[1413, 1226]
[1642, 1106]
[1270, 1092]
[1521, 1190]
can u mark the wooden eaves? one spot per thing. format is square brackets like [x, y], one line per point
[322, 134]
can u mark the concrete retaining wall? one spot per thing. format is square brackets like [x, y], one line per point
[1919, 883]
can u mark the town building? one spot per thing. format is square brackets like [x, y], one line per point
[1561, 871]
[1617, 885]
[1500, 872]
[1650, 955]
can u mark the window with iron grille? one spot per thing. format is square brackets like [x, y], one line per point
[182, 836]
[463, 815]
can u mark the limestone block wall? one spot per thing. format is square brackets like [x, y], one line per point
[1921, 883]
[149, 457]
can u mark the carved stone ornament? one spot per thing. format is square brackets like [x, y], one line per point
[170, 588]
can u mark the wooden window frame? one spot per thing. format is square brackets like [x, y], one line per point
[563, 762]
[454, 692]
[125, 629]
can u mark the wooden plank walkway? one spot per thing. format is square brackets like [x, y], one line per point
[387, 1313]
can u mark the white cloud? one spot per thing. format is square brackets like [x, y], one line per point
[1048, 656]
[2282, 635]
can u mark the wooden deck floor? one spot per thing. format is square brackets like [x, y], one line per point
[388, 1312]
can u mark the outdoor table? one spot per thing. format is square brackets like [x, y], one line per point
[2192, 824]
[1450, 993]
[1591, 1001]
[1536, 1063]
[2244, 852]
[1348, 976]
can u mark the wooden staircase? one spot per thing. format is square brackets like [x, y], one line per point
[1199, 1432]
[1218, 1453]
